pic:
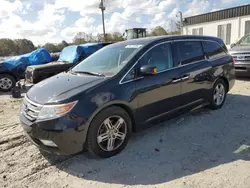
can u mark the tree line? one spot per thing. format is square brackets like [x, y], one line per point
[10, 47]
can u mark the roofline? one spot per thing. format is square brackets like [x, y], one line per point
[222, 14]
[217, 11]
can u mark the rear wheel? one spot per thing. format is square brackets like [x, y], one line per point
[219, 95]
[7, 82]
[109, 132]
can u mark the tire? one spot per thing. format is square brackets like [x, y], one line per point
[99, 127]
[7, 82]
[216, 104]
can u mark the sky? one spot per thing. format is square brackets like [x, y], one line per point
[55, 20]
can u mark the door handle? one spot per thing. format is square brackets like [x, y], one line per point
[176, 80]
[185, 77]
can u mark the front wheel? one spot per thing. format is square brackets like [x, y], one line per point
[109, 132]
[7, 82]
[219, 95]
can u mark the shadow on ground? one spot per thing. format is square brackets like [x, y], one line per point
[176, 148]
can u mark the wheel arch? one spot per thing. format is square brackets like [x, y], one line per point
[121, 105]
[225, 80]
[11, 74]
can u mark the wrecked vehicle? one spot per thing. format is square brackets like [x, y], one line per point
[13, 69]
[70, 56]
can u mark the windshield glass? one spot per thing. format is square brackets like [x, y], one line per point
[109, 60]
[68, 54]
[245, 41]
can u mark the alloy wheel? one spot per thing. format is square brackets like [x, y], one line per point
[219, 94]
[5, 83]
[112, 133]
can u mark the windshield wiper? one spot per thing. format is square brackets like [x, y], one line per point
[89, 73]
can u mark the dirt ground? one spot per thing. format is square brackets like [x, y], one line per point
[202, 149]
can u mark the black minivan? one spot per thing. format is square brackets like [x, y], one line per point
[126, 87]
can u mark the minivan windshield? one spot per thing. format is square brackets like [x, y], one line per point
[245, 41]
[108, 61]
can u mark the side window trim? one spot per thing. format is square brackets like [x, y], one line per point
[178, 61]
[121, 81]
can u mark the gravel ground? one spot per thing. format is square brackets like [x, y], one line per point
[202, 149]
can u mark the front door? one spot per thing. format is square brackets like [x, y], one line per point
[159, 94]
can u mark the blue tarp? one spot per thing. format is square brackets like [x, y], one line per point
[37, 57]
[71, 54]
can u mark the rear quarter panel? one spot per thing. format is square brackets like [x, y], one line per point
[223, 68]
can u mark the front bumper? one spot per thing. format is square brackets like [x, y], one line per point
[68, 140]
[242, 69]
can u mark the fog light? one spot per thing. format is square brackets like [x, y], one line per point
[48, 143]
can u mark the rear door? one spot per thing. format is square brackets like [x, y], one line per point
[194, 72]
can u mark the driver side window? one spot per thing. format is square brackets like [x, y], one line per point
[160, 56]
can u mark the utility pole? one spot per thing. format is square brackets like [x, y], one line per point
[181, 22]
[102, 7]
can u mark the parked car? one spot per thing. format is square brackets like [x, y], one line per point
[13, 69]
[69, 56]
[124, 87]
[241, 54]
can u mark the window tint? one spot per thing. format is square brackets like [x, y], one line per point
[213, 50]
[159, 56]
[190, 51]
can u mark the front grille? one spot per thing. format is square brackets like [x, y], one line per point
[30, 109]
[241, 53]
[245, 57]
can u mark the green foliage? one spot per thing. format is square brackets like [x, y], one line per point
[55, 47]
[7, 47]
[10, 47]
[158, 31]
[24, 46]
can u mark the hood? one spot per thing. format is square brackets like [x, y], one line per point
[61, 87]
[238, 49]
[46, 65]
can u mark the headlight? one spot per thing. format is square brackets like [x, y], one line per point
[55, 111]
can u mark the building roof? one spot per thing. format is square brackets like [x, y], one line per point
[218, 15]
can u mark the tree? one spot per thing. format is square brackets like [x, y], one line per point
[62, 45]
[159, 31]
[24, 46]
[117, 36]
[7, 47]
[80, 38]
[51, 47]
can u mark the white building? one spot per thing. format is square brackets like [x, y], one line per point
[228, 24]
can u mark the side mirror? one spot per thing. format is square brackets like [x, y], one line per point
[148, 70]
[232, 45]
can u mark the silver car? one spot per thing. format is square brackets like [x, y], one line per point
[241, 54]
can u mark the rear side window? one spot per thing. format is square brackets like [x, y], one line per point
[213, 50]
[190, 51]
